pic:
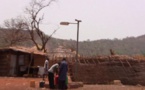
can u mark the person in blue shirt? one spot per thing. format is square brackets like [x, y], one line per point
[63, 69]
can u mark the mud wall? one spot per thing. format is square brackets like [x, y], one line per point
[105, 70]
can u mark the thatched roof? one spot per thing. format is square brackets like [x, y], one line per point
[61, 51]
[23, 49]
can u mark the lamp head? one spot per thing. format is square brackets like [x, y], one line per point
[64, 23]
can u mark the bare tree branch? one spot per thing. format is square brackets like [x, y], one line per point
[13, 34]
[35, 7]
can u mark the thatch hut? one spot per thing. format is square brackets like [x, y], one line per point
[61, 52]
[17, 61]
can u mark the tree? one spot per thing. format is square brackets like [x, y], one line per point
[35, 19]
[12, 34]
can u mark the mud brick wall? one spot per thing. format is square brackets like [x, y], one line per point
[108, 69]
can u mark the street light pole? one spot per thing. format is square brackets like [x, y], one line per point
[77, 45]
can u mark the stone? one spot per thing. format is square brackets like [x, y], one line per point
[117, 82]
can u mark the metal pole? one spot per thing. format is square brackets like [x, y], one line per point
[77, 45]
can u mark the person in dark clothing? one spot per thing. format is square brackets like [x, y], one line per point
[63, 75]
[53, 69]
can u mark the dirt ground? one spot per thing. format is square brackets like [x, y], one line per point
[15, 83]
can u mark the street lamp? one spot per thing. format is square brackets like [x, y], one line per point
[67, 23]
[78, 22]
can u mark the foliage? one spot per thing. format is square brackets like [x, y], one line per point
[12, 34]
[126, 46]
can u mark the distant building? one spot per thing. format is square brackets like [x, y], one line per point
[61, 52]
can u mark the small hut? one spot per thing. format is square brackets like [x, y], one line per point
[17, 61]
[58, 53]
[61, 52]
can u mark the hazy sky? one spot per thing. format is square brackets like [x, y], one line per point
[101, 19]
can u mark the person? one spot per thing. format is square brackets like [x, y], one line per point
[53, 69]
[46, 66]
[63, 75]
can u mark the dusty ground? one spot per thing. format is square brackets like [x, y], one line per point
[12, 83]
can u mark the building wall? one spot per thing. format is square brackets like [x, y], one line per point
[4, 64]
[130, 72]
[39, 60]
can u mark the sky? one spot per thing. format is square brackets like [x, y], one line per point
[101, 19]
